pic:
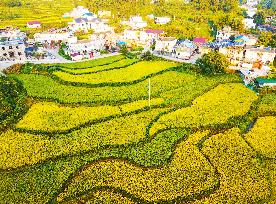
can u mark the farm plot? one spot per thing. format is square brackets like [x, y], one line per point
[134, 72]
[189, 174]
[19, 148]
[262, 136]
[99, 144]
[242, 179]
[213, 108]
[116, 65]
[49, 116]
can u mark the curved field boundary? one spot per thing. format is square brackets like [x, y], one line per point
[97, 71]
[88, 123]
[134, 198]
[259, 165]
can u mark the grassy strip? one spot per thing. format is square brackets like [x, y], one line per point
[12, 101]
[117, 65]
[92, 63]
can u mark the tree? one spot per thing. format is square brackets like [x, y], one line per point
[124, 50]
[232, 38]
[259, 18]
[267, 39]
[212, 63]
[274, 61]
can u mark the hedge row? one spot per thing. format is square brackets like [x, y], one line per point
[12, 101]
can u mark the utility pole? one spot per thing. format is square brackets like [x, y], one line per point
[149, 92]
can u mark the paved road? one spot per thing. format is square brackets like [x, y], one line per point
[59, 59]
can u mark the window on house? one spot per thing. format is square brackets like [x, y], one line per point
[19, 53]
[5, 54]
[17, 47]
[10, 47]
[3, 48]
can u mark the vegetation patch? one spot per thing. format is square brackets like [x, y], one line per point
[116, 65]
[242, 179]
[188, 175]
[213, 108]
[21, 148]
[128, 74]
[262, 137]
[12, 101]
[92, 63]
[267, 105]
[49, 116]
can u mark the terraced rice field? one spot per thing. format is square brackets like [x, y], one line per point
[105, 143]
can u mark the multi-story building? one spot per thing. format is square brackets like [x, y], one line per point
[12, 51]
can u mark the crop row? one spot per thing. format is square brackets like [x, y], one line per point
[126, 75]
[262, 137]
[242, 179]
[213, 108]
[52, 117]
[40, 86]
[188, 175]
[102, 196]
[19, 148]
[92, 63]
[267, 105]
[116, 65]
[33, 182]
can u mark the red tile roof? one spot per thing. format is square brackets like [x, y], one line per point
[33, 22]
[155, 31]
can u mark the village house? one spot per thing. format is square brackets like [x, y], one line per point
[165, 44]
[251, 11]
[12, 51]
[162, 20]
[151, 34]
[142, 37]
[33, 24]
[246, 56]
[78, 12]
[104, 14]
[84, 24]
[249, 23]
[48, 37]
[225, 34]
[184, 49]
[135, 22]
[252, 3]
[85, 48]
[10, 33]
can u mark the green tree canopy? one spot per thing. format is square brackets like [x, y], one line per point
[212, 63]
[259, 18]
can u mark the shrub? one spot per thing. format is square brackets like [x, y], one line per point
[62, 53]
